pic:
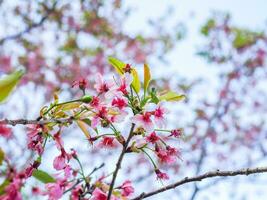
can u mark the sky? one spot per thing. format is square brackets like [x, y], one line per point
[183, 59]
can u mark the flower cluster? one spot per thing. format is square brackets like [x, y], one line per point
[101, 116]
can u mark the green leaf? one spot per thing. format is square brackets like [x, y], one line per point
[147, 76]
[8, 83]
[83, 126]
[172, 96]
[136, 82]
[209, 25]
[43, 176]
[2, 156]
[117, 64]
[3, 186]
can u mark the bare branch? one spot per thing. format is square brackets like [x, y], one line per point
[40, 122]
[118, 165]
[31, 26]
[211, 174]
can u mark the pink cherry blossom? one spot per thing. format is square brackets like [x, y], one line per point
[127, 188]
[144, 120]
[153, 138]
[59, 162]
[159, 116]
[99, 195]
[54, 191]
[161, 175]
[165, 156]
[102, 86]
[5, 131]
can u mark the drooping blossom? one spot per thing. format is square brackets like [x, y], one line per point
[35, 139]
[108, 142]
[161, 175]
[176, 133]
[98, 195]
[165, 156]
[127, 188]
[54, 191]
[152, 137]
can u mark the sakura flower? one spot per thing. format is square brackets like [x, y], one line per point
[159, 116]
[102, 86]
[127, 188]
[176, 133]
[165, 156]
[82, 83]
[161, 175]
[5, 131]
[120, 103]
[54, 191]
[153, 138]
[59, 162]
[35, 139]
[99, 195]
[76, 193]
[108, 142]
[13, 190]
[122, 88]
[144, 120]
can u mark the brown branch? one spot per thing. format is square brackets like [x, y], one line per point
[211, 174]
[118, 165]
[31, 26]
[28, 122]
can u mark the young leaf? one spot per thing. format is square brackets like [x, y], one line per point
[147, 76]
[43, 176]
[8, 83]
[117, 64]
[84, 129]
[172, 96]
[3, 186]
[2, 156]
[136, 82]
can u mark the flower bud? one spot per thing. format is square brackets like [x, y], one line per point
[86, 99]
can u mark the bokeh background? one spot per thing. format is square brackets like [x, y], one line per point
[214, 51]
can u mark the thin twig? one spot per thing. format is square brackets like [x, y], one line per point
[31, 26]
[81, 180]
[35, 122]
[118, 165]
[211, 174]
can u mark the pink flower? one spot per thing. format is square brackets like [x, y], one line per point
[165, 156]
[108, 142]
[5, 131]
[102, 113]
[101, 86]
[161, 175]
[159, 116]
[76, 193]
[82, 83]
[35, 139]
[176, 133]
[119, 102]
[122, 88]
[127, 188]
[99, 195]
[153, 138]
[54, 191]
[144, 120]
[13, 190]
[59, 162]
